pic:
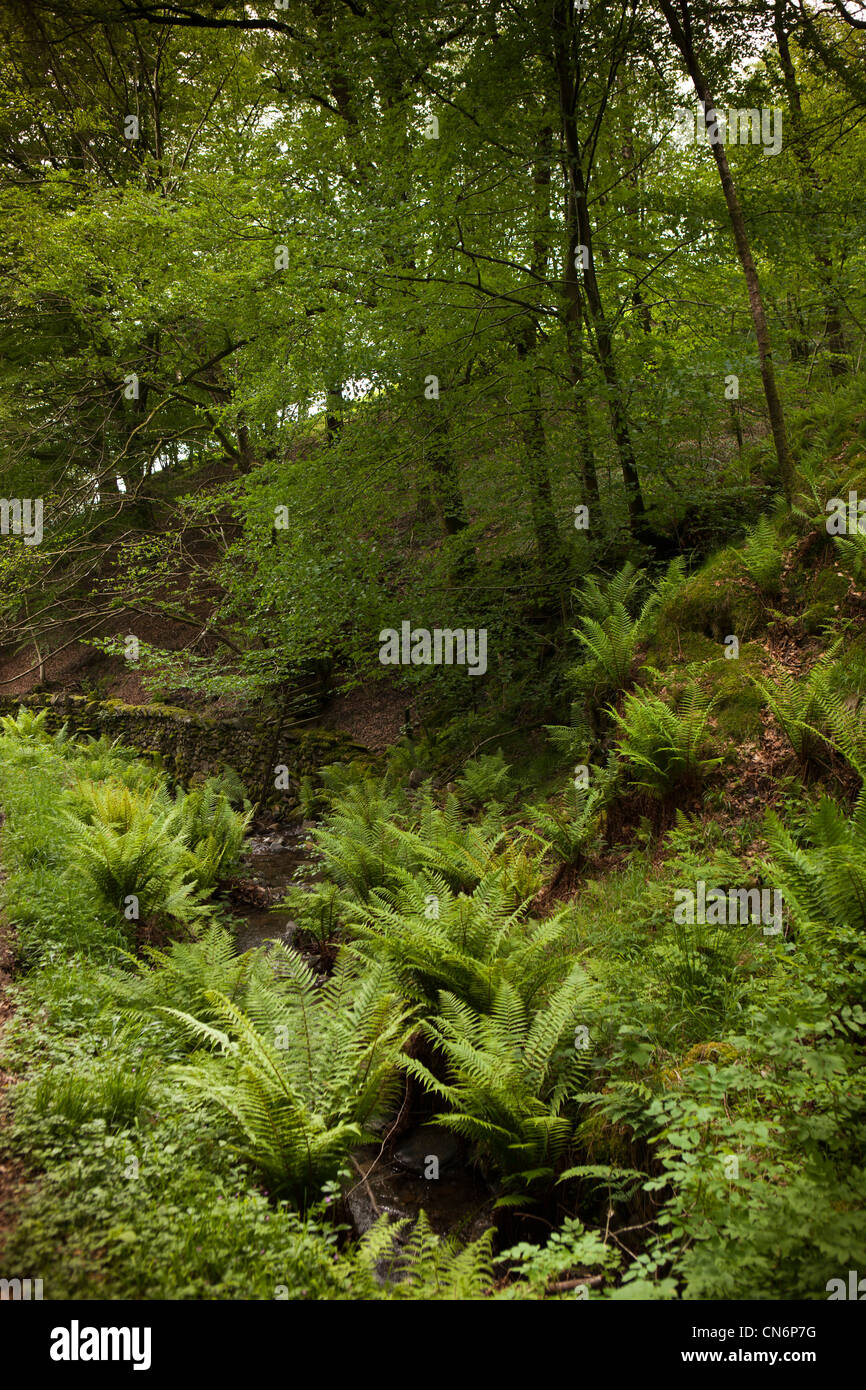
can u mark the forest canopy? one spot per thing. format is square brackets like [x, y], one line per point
[313, 307]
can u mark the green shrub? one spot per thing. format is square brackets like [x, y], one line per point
[513, 1071]
[484, 779]
[664, 748]
[761, 556]
[303, 1071]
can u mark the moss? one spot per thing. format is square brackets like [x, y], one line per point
[718, 1052]
[717, 601]
[828, 586]
[737, 712]
[817, 616]
[671, 649]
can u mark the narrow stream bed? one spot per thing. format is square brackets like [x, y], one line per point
[269, 862]
[424, 1168]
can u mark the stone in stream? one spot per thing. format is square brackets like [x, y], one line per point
[428, 1141]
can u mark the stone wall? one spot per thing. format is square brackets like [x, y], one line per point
[191, 743]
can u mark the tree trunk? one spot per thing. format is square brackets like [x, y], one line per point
[581, 234]
[832, 316]
[334, 413]
[681, 33]
[551, 549]
[574, 346]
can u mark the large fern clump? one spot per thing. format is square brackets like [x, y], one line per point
[27, 726]
[134, 842]
[461, 851]
[610, 631]
[484, 779]
[370, 838]
[185, 976]
[573, 827]
[819, 714]
[303, 1070]
[137, 865]
[213, 830]
[115, 803]
[824, 880]
[512, 1072]
[420, 1264]
[469, 944]
[665, 748]
[761, 556]
[360, 841]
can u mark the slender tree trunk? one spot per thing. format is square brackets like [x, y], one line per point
[442, 470]
[581, 234]
[632, 206]
[438, 487]
[552, 552]
[548, 541]
[832, 316]
[334, 413]
[681, 32]
[604, 344]
[245, 453]
[574, 346]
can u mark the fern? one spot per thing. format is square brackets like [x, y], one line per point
[213, 831]
[598, 600]
[664, 747]
[825, 883]
[761, 556]
[143, 858]
[610, 634]
[115, 803]
[852, 554]
[303, 1070]
[435, 939]
[366, 842]
[513, 1072]
[484, 779]
[28, 725]
[817, 714]
[424, 1265]
[183, 976]
[359, 841]
[573, 830]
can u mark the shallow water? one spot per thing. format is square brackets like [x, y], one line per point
[270, 861]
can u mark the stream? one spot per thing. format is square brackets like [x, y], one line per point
[399, 1177]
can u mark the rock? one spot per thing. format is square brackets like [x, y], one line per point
[427, 1141]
